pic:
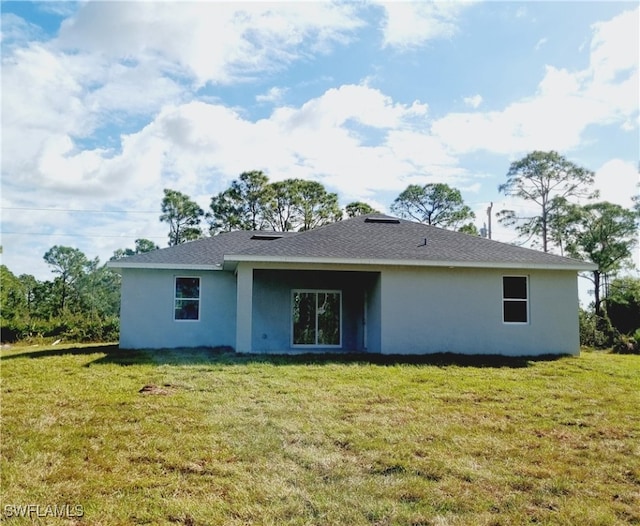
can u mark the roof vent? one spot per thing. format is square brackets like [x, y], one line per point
[383, 220]
[266, 237]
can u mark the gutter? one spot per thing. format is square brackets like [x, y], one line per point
[231, 261]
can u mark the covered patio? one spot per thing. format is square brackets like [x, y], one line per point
[296, 310]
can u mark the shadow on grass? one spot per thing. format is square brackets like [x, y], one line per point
[227, 356]
[63, 350]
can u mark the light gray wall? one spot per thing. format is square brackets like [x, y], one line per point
[271, 326]
[460, 310]
[147, 310]
[409, 310]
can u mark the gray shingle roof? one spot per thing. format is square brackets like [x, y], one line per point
[373, 238]
[365, 238]
[202, 253]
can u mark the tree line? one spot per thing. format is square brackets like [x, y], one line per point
[253, 203]
[81, 303]
[82, 300]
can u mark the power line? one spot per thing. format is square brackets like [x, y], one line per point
[79, 235]
[81, 210]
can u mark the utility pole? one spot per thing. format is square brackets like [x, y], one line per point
[489, 222]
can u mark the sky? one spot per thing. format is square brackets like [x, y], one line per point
[105, 104]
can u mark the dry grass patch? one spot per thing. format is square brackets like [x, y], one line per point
[207, 437]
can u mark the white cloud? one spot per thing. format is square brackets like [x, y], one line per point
[367, 105]
[56, 100]
[273, 95]
[612, 46]
[617, 182]
[208, 41]
[410, 24]
[17, 30]
[540, 43]
[426, 153]
[135, 90]
[473, 101]
[44, 101]
[565, 104]
[60, 92]
[204, 145]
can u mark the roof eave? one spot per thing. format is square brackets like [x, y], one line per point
[230, 262]
[120, 264]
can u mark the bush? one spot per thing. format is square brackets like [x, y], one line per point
[595, 331]
[8, 331]
[92, 329]
[71, 327]
[623, 304]
[624, 344]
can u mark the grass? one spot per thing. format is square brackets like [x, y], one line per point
[196, 437]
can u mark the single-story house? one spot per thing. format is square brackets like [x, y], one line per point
[373, 283]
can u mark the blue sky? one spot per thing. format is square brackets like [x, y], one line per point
[104, 104]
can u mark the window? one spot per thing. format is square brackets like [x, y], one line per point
[515, 299]
[187, 300]
[317, 318]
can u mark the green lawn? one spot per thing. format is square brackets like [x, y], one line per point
[221, 439]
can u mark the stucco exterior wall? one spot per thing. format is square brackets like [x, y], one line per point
[272, 297]
[393, 310]
[460, 311]
[147, 310]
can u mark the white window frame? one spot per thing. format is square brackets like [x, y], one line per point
[525, 300]
[315, 345]
[176, 299]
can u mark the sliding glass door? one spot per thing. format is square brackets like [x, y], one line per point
[317, 318]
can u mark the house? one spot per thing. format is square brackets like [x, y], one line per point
[372, 283]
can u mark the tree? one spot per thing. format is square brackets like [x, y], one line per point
[296, 204]
[145, 245]
[183, 216]
[623, 304]
[13, 298]
[240, 207]
[99, 292]
[548, 180]
[469, 228]
[45, 302]
[252, 203]
[435, 204]
[70, 264]
[359, 208]
[224, 213]
[251, 189]
[13, 303]
[29, 285]
[562, 218]
[316, 206]
[142, 246]
[281, 209]
[604, 233]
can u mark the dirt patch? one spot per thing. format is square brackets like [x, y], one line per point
[151, 389]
